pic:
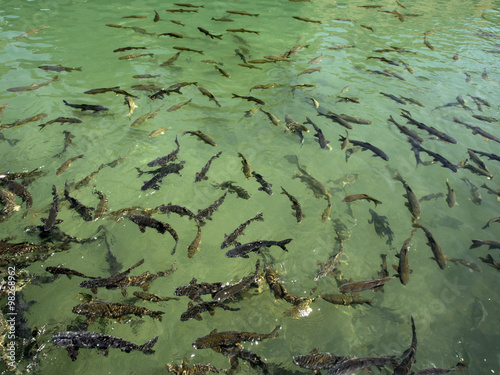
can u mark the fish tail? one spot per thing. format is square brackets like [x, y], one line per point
[65, 102]
[283, 243]
[274, 333]
[475, 243]
[147, 348]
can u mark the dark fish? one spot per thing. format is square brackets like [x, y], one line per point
[491, 221]
[194, 311]
[229, 291]
[323, 143]
[194, 290]
[84, 211]
[477, 130]
[413, 203]
[316, 361]
[395, 98]
[157, 17]
[403, 269]
[355, 197]
[317, 187]
[170, 60]
[209, 95]
[477, 170]
[86, 107]
[382, 227]
[61, 120]
[181, 211]
[66, 164]
[101, 90]
[265, 186]
[295, 205]
[432, 243]
[33, 86]
[152, 297]
[491, 244]
[476, 195]
[350, 366]
[207, 33]
[230, 187]
[146, 221]
[330, 266]
[173, 35]
[56, 271]
[206, 213]
[467, 263]
[430, 197]
[106, 281]
[73, 341]
[489, 260]
[367, 146]
[243, 250]
[433, 131]
[188, 50]
[250, 99]
[242, 31]
[163, 160]
[345, 300]
[444, 162]
[311, 70]
[202, 136]
[231, 239]
[113, 310]
[145, 117]
[222, 19]
[127, 49]
[67, 141]
[436, 371]
[22, 192]
[279, 291]
[241, 56]
[182, 10]
[54, 209]
[8, 201]
[230, 338]
[413, 101]
[58, 68]
[102, 207]
[24, 121]
[358, 286]
[408, 357]
[475, 158]
[202, 174]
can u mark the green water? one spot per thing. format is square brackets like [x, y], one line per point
[456, 310]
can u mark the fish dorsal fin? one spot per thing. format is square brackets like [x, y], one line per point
[395, 267]
[185, 362]
[314, 350]
[213, 331]
[193, 281]
[190, 304]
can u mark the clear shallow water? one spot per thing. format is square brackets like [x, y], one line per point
[447, 305]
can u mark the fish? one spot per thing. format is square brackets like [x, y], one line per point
[171, 60]
[58, 68]
[61, 120]
[485, 118]
[355, 197]
[202, 136]
[475, 158]
[135, 56]
[403, 269]
[460, 366]
[295, 205]
[222, 19]
[67, 141]
[202, 174]
[235, 352]
[101, 90]
[196, 369]
[158, 131]
[152, 297]
[491, 244]
[250, 66]
[127, 49]
[476, 195]
[242, 13]
[293, 126]
[491, 221]
[356, 120]
[56, 271]
[31, 32]
[271, 117]
[193, 291]
[181, 211]
[230, 338]
[231, 239]
[145, 117]
[194, 311]
[326, 213]
[246, 168]
[428, 45]
[413, 203]
[24, 121]
[311, 70]
[345, 300]
[358, 286]
[72, 341]
[489, 260]
[242, 31]
[173, 35]
[206, 213]
[86, 107]
[32, 86]
[395, 98]
[143, 280]
[451, 197]
[222, 71]
[188, 50]
[317, 187]
[157, 17]
[146, 88]
[352, 365]
[230, 187]
[250, 98]
[194, 246]
[163, 160]
[208, 33]
[106, 281]
[22, 192]
[146, 221]
[477, 130]
[243, 250]
[229, 291]
[477, 170]
[317, 361]
[320, 138]
[66, 164]
[467, 263]
[485, 74]
[367, 146]
[431, 130]
[265, 186]
[209, 95]
[102, 207]
[84, 211]
[382, 227]
[408, 357]
[444, 162]
[113, 310]
[279, 291]
[433, 244]
[54, 209]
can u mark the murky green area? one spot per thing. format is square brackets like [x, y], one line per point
[456, 310]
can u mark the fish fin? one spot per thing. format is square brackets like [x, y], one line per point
[105, 352]
[124, 292]
[142, 228]
[69, 276]
[190, 304]
[72, 352]
[146, 286]
[213, 331]
[94, 290]
[211, 312]
[147, 348]
[246, 255]
[395, 267]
